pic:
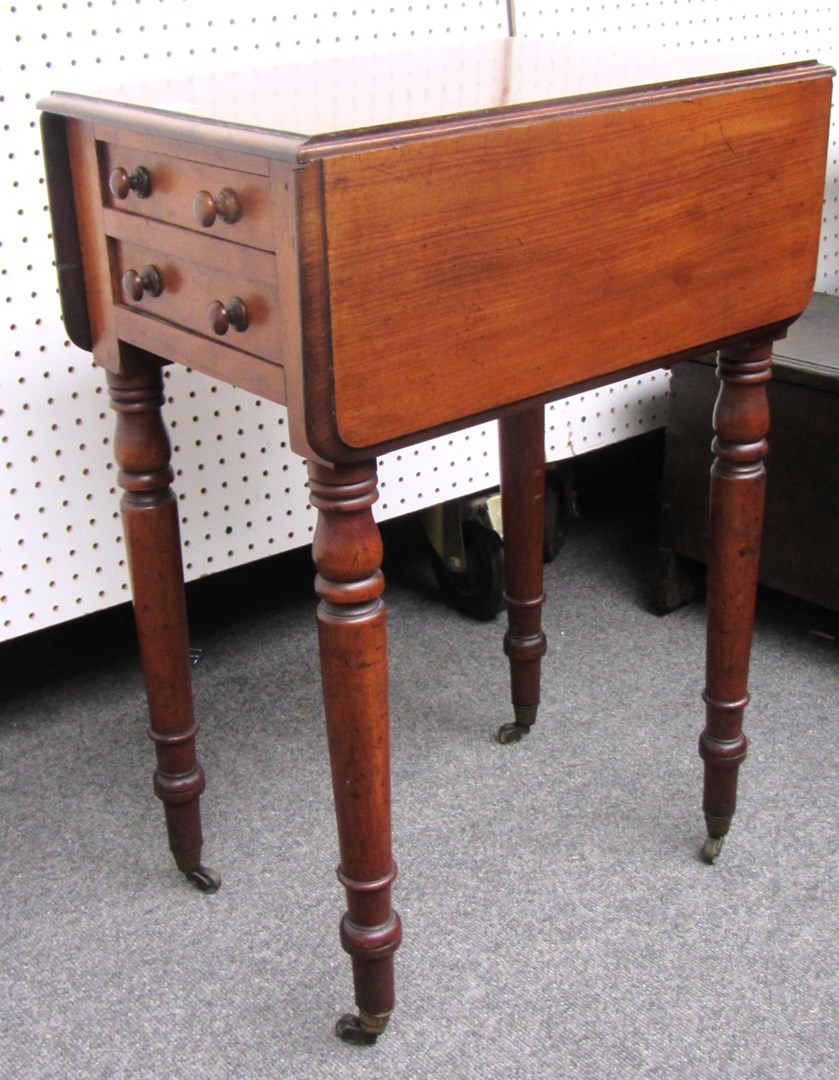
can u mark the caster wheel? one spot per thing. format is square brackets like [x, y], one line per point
[511, 733]
[349, 1030]
[477, 591]
[711, 850]
[205, 879]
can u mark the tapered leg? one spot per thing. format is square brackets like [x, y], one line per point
[150, 523]
[522, 450]
[353, 650]
[738, 480]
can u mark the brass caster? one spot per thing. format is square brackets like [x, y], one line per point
[711, 850]
[205, 879]
[361, 1030]
[349, 1030]
[511, 733]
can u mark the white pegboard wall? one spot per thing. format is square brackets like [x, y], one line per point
[241, 491]
[446, 468]
[776, 30]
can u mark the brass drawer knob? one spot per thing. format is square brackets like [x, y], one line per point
[147, 281]
[221, 317]
[205, 207]
[121, 184]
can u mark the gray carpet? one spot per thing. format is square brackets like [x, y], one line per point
[558, 921]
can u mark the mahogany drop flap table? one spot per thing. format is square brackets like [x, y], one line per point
[399, 246]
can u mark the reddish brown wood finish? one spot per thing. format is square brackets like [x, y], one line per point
[405, 272]
[451, 260]
[521, 440]
[738, 482]
[152, 537]
[435, 253]
[353, 650]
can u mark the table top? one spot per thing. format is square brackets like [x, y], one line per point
[329, 101]
[463, 230]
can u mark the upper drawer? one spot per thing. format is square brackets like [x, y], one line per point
[208, 198]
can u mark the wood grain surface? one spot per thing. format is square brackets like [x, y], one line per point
[474, 271]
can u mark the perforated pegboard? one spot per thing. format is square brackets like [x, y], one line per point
[774, 30]
[241, 491]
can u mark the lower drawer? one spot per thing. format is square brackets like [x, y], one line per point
[241, 310]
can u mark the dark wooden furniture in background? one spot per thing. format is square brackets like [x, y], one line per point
[800, 548]
[399, 246]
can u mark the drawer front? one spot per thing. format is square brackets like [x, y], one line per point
[226, 203]
[222, 304]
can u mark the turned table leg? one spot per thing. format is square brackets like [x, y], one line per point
[152, 539]
[522, 450]
[738, 480]
[347, 551]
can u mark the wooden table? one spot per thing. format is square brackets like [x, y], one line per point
[400, 246]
